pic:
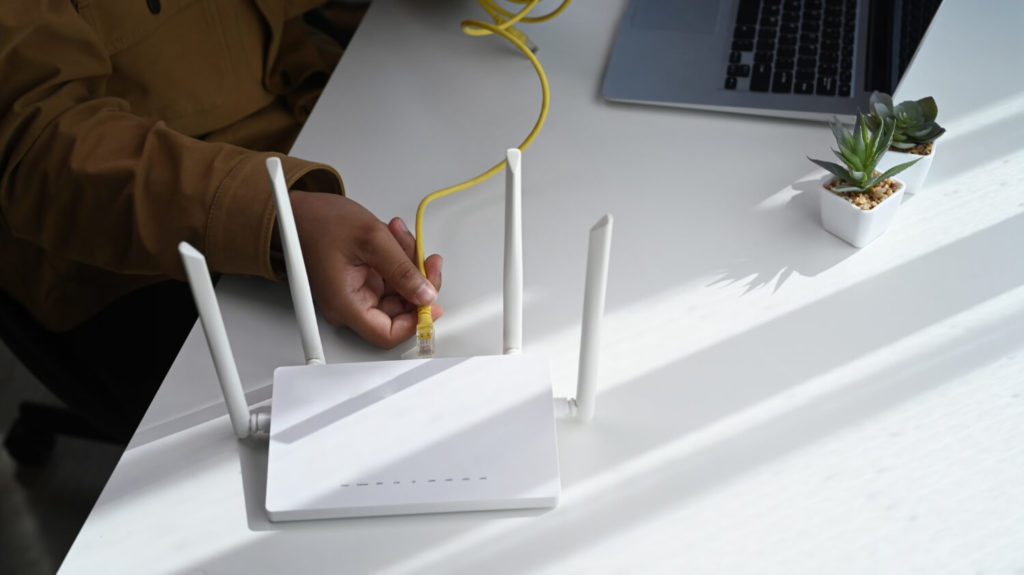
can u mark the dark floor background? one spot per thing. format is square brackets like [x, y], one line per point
[42, 508]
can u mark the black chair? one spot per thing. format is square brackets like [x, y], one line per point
[105, 371]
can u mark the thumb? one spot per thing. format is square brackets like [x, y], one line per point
[385, 255]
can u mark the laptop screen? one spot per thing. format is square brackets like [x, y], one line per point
[895, 29]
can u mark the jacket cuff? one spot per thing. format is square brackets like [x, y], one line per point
[242, 216]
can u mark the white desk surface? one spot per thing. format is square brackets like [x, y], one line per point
[772, 400]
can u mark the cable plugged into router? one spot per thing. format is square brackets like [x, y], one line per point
[409, 436]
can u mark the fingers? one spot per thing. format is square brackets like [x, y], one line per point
[433, 264]
[382, 314]
[385, 254]
[394, 305]
[378, 327]
[384, 331]
[404, 236]
[361, 271]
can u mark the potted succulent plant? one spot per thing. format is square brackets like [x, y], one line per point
[857, 201]
[914, 137]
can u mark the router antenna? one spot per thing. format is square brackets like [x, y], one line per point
[593, 309]
[217, 338]
[513, 288]
[302, 298]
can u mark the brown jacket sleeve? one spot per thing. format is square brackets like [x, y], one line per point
[86, 179]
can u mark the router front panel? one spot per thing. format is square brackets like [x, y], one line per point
[412, 436]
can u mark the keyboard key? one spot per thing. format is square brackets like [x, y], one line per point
[826, 69]
[744, 32]
[808, 50]
[763, 57]
[735, 57]
[765, 45]
[826, 86]
[789, 28]
[845, 77]
[782, 81]
[844, 89]
[805, 75]
[761, 77]
[743, 45]
[769, 21]
[803, 87]
[739, 70]
[747, 13]
[806, 63]
[730, 82]
[786, 51]
[809, 38]
[787, 40]
[785, 63]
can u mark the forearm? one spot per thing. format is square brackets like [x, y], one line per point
[112, 190]
[84, 178]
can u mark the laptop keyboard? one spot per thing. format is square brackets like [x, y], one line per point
[793, 46]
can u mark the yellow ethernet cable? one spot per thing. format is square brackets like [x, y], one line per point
[504, 21]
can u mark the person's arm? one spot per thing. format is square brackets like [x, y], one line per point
[84, 178]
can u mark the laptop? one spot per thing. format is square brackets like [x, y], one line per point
[808, 59]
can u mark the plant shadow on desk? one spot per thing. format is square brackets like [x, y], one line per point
[679, 464]
[794, 243]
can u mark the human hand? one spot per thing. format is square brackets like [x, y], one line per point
[362, 272]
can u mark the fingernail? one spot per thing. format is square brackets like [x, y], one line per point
[401, 224]
[426, 294]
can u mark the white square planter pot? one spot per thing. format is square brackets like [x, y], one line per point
[913, 176]
[856, 226]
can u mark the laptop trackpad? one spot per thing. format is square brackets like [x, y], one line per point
[687, 16]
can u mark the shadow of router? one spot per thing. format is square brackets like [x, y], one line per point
[426, 435]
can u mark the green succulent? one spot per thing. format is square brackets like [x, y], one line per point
[914, 120]
[860, 150]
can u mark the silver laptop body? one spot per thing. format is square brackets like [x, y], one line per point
[681, 53]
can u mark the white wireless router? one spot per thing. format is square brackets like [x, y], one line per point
[409, 436]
